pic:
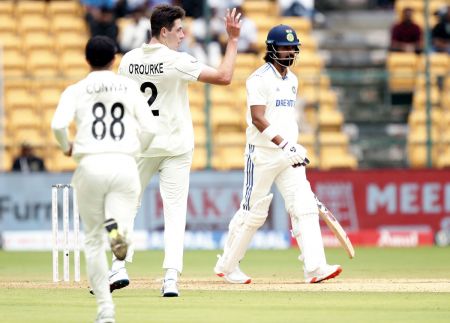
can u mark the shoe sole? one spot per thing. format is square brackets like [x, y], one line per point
[116, 285]
[248, 281]
[119, 284]
[332, 275]
[170, 295]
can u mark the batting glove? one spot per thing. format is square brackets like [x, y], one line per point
[294, 153]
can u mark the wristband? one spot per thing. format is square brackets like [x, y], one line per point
[283, 144]
[270, 132]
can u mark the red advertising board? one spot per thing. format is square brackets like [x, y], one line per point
[386, 199]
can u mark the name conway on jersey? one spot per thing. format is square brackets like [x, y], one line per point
[160, 72]
[267, 87]
[105, 108]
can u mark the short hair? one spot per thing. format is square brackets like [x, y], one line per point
[164, 15]
[100, 51]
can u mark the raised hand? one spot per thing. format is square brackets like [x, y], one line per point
[233, 24]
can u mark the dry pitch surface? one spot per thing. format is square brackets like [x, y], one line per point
[261, 284]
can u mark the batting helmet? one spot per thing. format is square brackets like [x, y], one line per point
[282, 35]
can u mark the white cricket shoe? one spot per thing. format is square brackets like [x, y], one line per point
[118, 279]
[234, 277]
[169, 288]
[107, 315]
[323, 273]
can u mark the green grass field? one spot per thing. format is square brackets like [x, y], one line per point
[379, 285]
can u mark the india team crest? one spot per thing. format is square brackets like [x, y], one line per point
[290, 35]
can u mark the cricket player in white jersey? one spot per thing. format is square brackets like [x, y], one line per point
[113, 125]
[273, 156]
[163, 74]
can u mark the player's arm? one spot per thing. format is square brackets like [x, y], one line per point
[224, 73]
[64, 114]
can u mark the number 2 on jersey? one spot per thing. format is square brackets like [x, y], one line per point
[99, 125]
[152, 98]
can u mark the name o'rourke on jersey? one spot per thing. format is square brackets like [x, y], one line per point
[147, 69]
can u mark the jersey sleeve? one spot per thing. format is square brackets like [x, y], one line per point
[65, 111]
[256, 93]
[188, 67]
[64, 115]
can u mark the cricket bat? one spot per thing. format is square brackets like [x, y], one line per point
[337, 229]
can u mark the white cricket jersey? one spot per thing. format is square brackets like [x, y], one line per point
[109, 114]
[163, 76]
[267, 87]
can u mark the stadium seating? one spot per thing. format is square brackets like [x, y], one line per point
[43, 51]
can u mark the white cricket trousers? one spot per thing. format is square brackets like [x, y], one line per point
[265, 166]
[174, 187]
[107, 186]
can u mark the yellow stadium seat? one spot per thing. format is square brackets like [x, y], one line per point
[417, 145]
[328, 98]
[38, 40]
[330, 120]
[7, 7]
[200, 135]
[14, 64]
[402, 71]
[199, 159]
[71, 42]
[302, 26]
[198, 116]
[439, 64]
[23, 118]
[64, 24]
[247, 61]
[224, 117]
[229, 139]
[259, 8]
[309, 93]
[418, 117]
[10, 41]
[48, 98]
[420, 96]
[308, 65]
[334, 152]
[33, 23]
[227, 158]
[63, 8]
[20, 98]
[7, 24]
[26, 7]
[43, 63]
[32, 135]
[417, 6]
[74, 65]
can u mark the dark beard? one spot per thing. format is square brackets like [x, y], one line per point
[286, 61]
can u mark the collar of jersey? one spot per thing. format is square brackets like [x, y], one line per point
[147, 47]
[278, 73]
[100, 72]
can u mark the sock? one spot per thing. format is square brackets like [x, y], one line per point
[117, 264]
[171, 274]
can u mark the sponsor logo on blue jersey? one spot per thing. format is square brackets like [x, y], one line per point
[284, 103]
